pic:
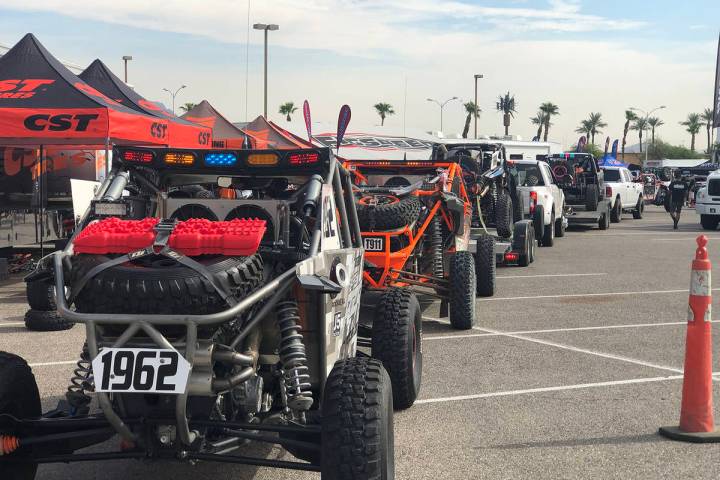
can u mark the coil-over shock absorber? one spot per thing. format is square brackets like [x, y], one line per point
[436, 247]
[80, 382]
[296, 376]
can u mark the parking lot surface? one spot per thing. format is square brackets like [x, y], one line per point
[572, 367]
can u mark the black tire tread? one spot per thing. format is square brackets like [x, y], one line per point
[639, 208]
[390, 216]
[462, 290]
[46, 321]
[591, 197]
[485, 265]
[41, 294]
[548, 238]
[504, 215]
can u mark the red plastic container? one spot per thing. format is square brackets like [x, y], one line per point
[197, 236]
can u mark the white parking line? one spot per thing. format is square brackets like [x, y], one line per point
[52, 364]
[571, 295]
[552, 275]
[552, 330]
[11, 324]
[579, 386]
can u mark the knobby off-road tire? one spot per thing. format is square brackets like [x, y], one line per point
[485, 266]
[158, 285]
[357, 422]
[539, 222]
[46, 321]
[604, 222]
[709, 222]
[397, 343]
[388, 216]
[462, 290]
[41, 294]
[504, 215]
[616, 213]
[548, 238]
[20, 398]
[639, 209]
[591, 197]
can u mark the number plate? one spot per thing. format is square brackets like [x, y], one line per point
[712, 210]
[140, 370]
[374, 244]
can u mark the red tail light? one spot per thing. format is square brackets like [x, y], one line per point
[511, 257]
[608, 191]
[137, 156]
[303, 158]
[533, 202]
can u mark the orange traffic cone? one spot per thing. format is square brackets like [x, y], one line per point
[696, 411]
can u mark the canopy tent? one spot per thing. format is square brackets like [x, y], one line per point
[266, 134]
[43, 103]
[225, 134]
[181, 133]
[368, 142]
[609, 161]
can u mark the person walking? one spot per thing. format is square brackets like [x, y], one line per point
[679, 190]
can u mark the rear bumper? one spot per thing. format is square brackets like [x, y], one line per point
[707, 208]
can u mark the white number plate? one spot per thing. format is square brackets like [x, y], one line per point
[374, 244]
[140, 370]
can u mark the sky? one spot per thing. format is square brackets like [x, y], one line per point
[585, 56]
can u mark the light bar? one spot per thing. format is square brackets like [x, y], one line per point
[178, 158]
[220, 159]
[262, 159]
[303, 158]
[137, 156]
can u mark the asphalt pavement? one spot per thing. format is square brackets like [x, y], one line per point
[571, 368]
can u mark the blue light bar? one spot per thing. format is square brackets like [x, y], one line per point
[220, 159]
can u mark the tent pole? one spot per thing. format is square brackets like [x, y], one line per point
[107, 159]
[41, 209]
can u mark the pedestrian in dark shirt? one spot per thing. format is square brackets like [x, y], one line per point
[678, 193]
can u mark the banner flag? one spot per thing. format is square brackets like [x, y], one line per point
[343, 122]
[308, 120]
[581, 144]
[614, 148]
[716, 103]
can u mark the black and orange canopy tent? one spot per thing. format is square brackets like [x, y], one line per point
[44, 103]
[225, 134]
[266, 134]
[181, 132]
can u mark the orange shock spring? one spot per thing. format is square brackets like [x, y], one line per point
[8, 444]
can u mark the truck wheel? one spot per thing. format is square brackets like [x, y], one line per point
[528, 257]
[503, 215]
[639, 209]
[548, 238]
[518, 208]
[709, 222]
[485, 266]
[20, 398]
[159, 285]
[591, 197]
[41, 294]
[560, 225]
[387, 212]
[397, 343]
[616, 213]
[462, 290]
[539, 222]
[604, 222]
[357, 422]
[45, 321]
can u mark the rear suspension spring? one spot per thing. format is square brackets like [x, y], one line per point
[81, 381]
[436, 247]
[296, 375]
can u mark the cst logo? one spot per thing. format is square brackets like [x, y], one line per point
[22, 88]
[158, 130]
[203, 138]
[60, 122]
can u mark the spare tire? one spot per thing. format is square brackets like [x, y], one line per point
[158, 285]
[387, 212]
[591, 197]
[504, 215]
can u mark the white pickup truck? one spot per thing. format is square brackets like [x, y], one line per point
[543, 200]
[707, 202]
[625, 194]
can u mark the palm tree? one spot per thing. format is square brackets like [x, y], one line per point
[693, 126]
[654, 122]
[472, 110]
[539, 120]
[384, 109]
[549, 109]
[641, 124]
[186, 107]
[596, 123]
[585, 128]
[629, 117]
[506, 104]
[287, 109]
[707, 118]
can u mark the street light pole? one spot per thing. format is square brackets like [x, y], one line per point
[442, 106]
[647, 116]
[173, 95]
[266, 28]
[477, 77]
[125, 59]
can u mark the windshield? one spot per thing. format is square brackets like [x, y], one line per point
[527, 175]
[612, 175]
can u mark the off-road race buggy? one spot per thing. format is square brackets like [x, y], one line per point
[220, 296]
[582, 182]
[415, 221]
[496, 201]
